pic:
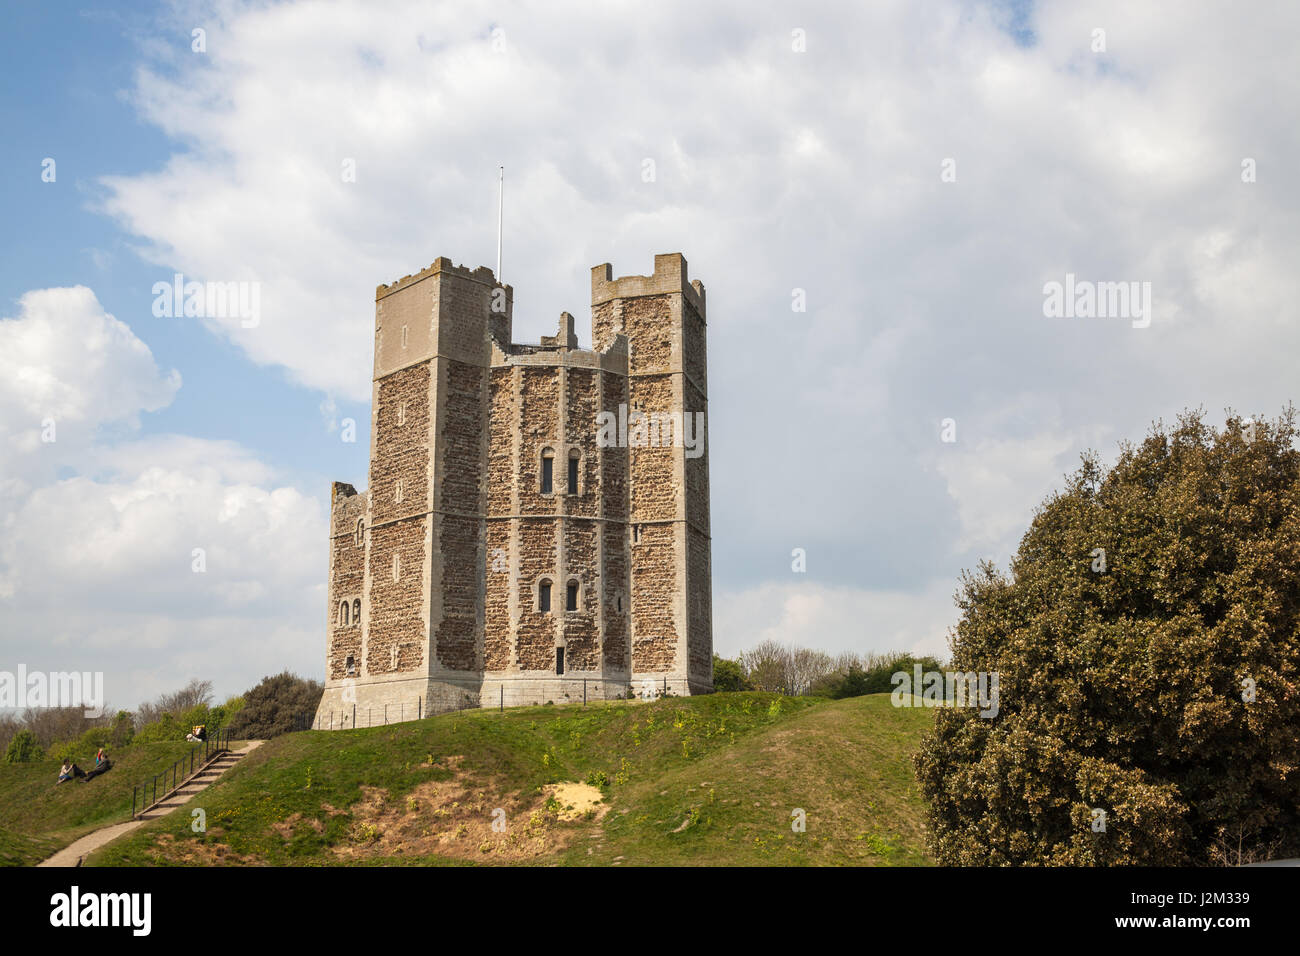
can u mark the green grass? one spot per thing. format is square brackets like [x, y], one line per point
[701, 781]
[39, 816]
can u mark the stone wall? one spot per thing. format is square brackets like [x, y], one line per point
[396, 607]
[535, 631]
[654, 600]
[401, 444]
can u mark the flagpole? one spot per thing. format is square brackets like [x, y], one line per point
[501, 196]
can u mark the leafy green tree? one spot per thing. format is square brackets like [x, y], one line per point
[23, 748]
[1147, 643]
[275, 706]
[728, 675]
[122, 730]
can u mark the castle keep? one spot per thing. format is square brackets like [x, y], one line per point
[510, 548]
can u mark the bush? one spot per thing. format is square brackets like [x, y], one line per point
[122, 730]
[23, 748]
[729, 675]
[1147, 642]
[275, 706]
[164, 727]
[877, 677]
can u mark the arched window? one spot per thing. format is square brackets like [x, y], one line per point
[351, 666]
[571, 595]
[544, 596]
[356, 611]
[397, 491]
[361, 531]
[573, 472]
[343, 614]
[548, 470]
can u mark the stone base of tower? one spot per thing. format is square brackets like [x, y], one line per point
[374, 703]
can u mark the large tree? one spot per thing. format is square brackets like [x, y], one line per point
[1147, 644]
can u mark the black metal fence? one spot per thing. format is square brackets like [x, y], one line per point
[180, 772]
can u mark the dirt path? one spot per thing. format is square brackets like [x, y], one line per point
[73, 854]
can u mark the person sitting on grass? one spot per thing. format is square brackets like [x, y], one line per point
[199, 733]
[70, 771]
[102, 764]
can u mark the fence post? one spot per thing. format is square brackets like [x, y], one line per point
[503, 698]
[354, 716]
[385, 714]
[133, 789]
[584, 692]
[419, 708]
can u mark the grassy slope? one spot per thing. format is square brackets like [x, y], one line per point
[731, 767]
[39, 816]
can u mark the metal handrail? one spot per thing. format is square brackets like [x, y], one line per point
[147, 792]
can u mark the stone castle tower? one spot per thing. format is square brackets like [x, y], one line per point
[537, 521]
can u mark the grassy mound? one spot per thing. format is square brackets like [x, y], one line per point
[39, 816]
[704, 780]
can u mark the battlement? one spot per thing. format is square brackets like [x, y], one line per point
[669, 276]
[482, 275]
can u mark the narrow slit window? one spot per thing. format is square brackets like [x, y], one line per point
[559, 660]
[571, 596]
[573, 474]
[636, 534]
[401, 414]
[356, 611]
[351, 666]
[548, 469]
[403, 336]
[544, 597]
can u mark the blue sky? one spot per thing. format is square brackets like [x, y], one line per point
[68, 97]
[793, 151]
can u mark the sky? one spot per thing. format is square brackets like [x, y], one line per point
[876, 200]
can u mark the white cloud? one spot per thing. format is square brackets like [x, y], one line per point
[64, 360]
[97, 569]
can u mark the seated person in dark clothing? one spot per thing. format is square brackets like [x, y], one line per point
[102, 764]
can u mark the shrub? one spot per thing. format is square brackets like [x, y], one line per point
[275, 705]
[122, 730]
[877, 677]
[164, 727]
[729, 675]
[23, 748]
[1147, 642]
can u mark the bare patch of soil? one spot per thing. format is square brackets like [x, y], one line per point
[467, 820]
